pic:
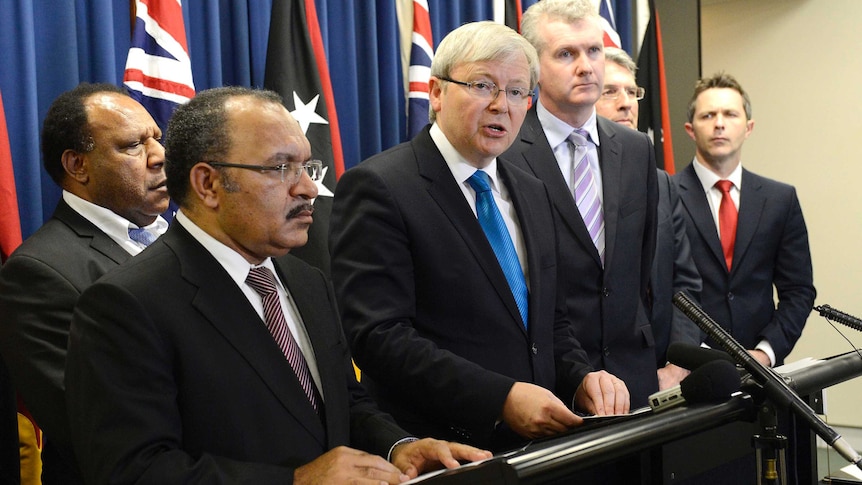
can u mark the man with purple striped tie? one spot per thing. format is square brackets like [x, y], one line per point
[208, 361]
[602, 181]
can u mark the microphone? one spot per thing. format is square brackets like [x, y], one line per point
[714, 381]
[838, 316]
[773, 385]
[691, 356]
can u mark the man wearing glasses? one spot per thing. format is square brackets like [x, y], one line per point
[444, 265]
[206, 361]
[602, 182]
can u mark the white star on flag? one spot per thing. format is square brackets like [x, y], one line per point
[306, 114]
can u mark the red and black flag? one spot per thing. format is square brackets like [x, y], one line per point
[296, 68]
[654, 113]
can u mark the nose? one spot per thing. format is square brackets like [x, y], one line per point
[583, 66]
[499, 101]
[305, 188]
[155, 152]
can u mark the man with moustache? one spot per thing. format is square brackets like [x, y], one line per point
[747, 233]
[445, 267]
[103, 149]
[673, 269]
[205, 360]
[602, 181]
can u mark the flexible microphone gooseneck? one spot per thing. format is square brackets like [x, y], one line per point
[773, 385]
[830, 313]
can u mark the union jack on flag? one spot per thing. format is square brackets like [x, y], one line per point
[158, 69]
[421, 54]
[611, 37]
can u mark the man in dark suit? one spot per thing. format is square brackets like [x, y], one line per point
[103, 149]
[454, 339]
[610, 170]
[743, 254]
[205, 361]
[673, 270]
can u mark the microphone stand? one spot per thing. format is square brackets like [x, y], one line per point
[774, 387]
[769, 448]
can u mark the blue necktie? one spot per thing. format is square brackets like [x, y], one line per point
[501, 242]
[142, 236]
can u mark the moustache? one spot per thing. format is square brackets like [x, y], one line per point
[299, 209]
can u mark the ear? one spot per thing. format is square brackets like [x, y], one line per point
[749, 127]
[76, 166]
[690, 130]
[205, 183]
[435, 90]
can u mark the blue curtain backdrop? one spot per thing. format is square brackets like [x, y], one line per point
[49, 46]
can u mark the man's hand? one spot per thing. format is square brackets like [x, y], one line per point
[533, 411]
[602, 394]
[429, 454]
[761, 357]
[671, 375]
[346, 465]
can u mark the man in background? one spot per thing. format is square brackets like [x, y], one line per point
[602, 181]
[206, 361]
[673, 269]
[102, 148]
[444, 261]
[747, 233]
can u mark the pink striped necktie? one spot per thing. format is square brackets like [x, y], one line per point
[587, 191]
[263, 282]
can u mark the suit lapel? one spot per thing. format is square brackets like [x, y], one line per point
[539, 156]
[446, 193]
[751, 202]
[610, 161]
[694, 200]
[99, 241]
[226, 308]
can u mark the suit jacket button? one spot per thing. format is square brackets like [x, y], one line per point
[534, 349]
[606, 292]
[729, 296]
[606, 351]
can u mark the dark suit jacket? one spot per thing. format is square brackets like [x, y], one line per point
[771, 250]
[173, 378]
[673, 271]
[431, 320]
[607, 305]
[39, 286]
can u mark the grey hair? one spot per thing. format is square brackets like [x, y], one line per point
[621, 58]
[568, 11]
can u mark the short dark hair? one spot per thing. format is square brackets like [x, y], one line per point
[198, 132]
[719, 80]
[66, 126]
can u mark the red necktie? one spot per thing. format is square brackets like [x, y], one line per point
[727, 215]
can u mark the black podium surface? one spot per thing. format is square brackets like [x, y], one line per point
[688, 444]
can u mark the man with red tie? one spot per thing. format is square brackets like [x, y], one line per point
[747, 232]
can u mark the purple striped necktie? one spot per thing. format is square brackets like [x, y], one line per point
[586, 190]
[263, 282]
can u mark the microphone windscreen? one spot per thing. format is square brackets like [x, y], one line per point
[712, 382]
[690, 356]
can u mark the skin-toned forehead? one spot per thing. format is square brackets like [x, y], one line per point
[257, 123]
[105, 108]
[714, 99]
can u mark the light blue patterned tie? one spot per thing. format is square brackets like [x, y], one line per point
[587, 192]
[501, 242]
[142, 236]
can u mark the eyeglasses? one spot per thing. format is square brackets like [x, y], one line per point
[613, 92]
[488, 90]
[290, 172]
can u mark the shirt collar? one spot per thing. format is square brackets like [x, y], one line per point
[557, 130]
[233, 262]
[708, 178]
[114, 225]
[459, 166]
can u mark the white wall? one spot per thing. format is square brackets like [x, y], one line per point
[801, 63]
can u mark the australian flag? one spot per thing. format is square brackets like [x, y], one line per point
[158, 70]
[421, 54]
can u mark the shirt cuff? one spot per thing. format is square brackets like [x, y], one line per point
[409, 439]
[766, 347]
